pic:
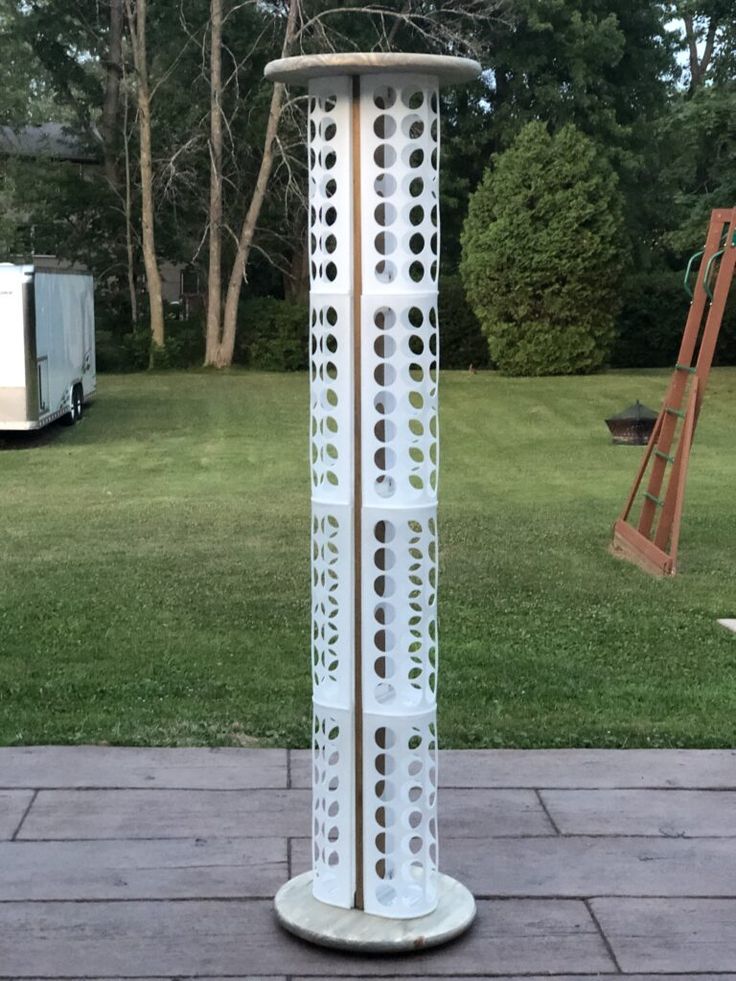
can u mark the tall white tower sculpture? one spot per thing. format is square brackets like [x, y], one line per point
[374, 255]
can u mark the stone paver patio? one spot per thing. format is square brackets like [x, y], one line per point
[162, 863]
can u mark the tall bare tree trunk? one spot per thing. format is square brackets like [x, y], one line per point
[129, 216]
[137, 26]
[223, 355]
[111, 105]
[214, 277]
[699, 65]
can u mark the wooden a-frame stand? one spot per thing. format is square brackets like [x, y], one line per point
[652, 541]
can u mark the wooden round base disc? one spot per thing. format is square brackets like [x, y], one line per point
[351, 929]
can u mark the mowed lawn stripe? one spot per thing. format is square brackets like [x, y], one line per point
[154, 584]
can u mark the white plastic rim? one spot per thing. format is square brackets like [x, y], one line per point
[396, 396]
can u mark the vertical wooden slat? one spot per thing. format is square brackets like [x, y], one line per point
[357, 494]
[675, 500]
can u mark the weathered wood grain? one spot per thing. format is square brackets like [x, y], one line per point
[677, 935]
[13, 805]
[145, 869]
[527, 977]
[671, 813]
[131, 939]
[483, 813]
[127, 766]
[581, 867]
[571, 768]
[72, 814]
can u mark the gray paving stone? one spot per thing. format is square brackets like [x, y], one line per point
[474, 812]
[581, 867]
[214, 938]
[448, 977]
[591, 768]
[158, 869]
[226, 844]
[70, 814]
[670, 934]
[125, 766]
[13, 804]
[300, 767]
[485, 813]
[673, 813]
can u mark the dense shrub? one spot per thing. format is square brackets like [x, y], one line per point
[726, 348]
[273, 335]
[461, 340]
[543, 254]
[122, 352]
[652, 319]
[107, 350]
[184, 347]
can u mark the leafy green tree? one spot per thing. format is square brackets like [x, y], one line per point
[26, 92]
[544, 254]
[66, 43]
[8, 218]
[706, 29]
[606, 66]
[700, 136]
[697, 136]
[603, 65]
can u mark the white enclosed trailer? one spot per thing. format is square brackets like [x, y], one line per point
[47, 345]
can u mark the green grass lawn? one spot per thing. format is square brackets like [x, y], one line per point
[154, 583]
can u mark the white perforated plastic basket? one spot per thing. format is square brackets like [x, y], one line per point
[377, 425]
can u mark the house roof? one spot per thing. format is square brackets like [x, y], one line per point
[54, 141]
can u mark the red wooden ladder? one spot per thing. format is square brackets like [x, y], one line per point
[651, 541]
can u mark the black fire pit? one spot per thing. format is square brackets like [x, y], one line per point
[633, 426]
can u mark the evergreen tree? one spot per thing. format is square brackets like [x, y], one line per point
[543, 254]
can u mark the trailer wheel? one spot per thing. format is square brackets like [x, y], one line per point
[78, 401]
[76, 406]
